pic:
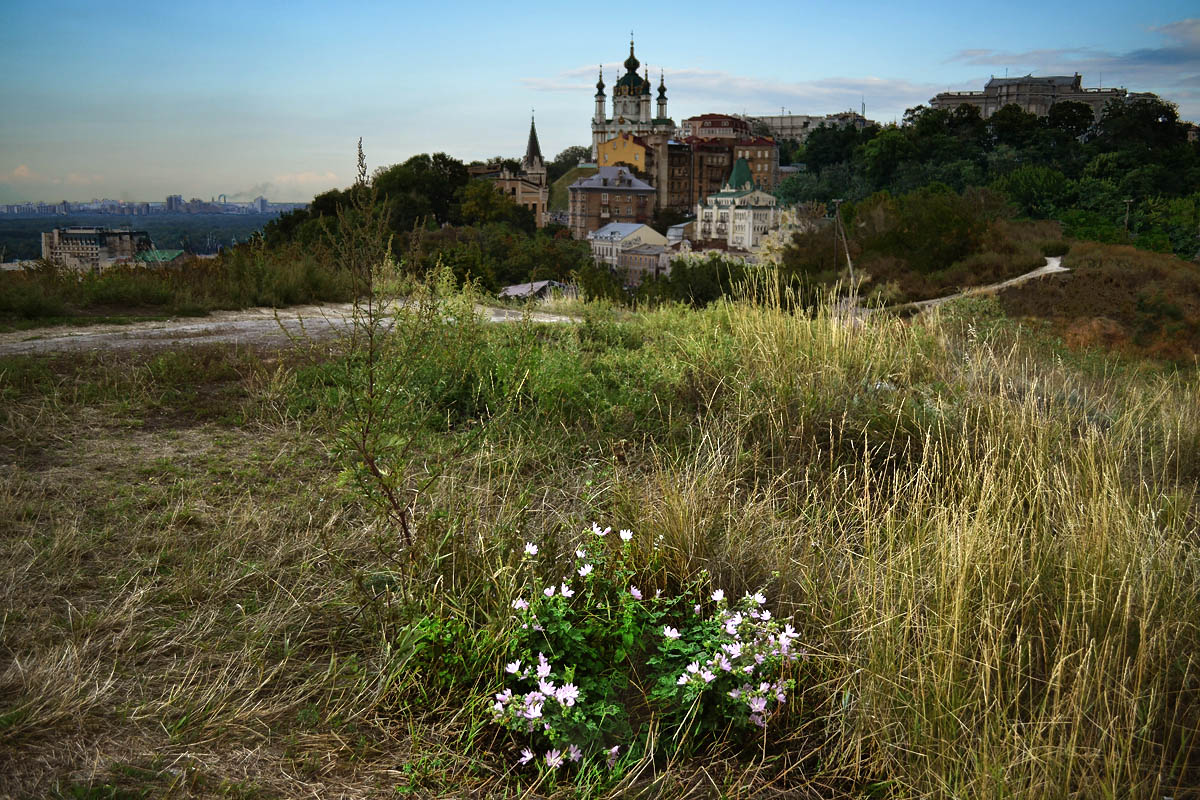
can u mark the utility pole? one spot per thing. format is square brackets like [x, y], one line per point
[837, 202]
[838, 230]
[1128, 202]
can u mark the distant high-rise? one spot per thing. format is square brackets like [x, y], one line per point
[174, 203]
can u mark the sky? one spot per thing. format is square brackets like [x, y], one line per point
[138, 100]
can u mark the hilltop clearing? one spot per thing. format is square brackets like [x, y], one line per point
[305, 572]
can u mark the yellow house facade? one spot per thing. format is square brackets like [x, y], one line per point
[625, 149]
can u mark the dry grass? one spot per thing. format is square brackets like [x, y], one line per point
[992, 553]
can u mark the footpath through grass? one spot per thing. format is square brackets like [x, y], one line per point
[986, 547]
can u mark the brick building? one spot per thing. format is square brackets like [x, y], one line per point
[613, 194]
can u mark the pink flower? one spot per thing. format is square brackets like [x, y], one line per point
[626, 535]
[526, 756]
[636, 592]
[567, 694]
[513, 668]
[723, 663]
[548, 591]
[573, 752]
[580, 554]
[735, 693]
[758, 720]
[596, 530]
[546, 687]
[757, 704]
[520, 604]
[696, 608]
[566, 590]
[707, 676]
[531, 549]
[585, 570]
[533, 711]
[718, 595]
[554, 759]
[758, 597]
[670, 633]
[612, 755]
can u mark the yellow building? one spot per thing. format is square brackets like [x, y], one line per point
[624, 149]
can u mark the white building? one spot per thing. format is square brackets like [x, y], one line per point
[739, 215]
[610, 241]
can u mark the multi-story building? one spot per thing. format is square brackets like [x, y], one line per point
[797, 127]
[1035, 95]
[627, 150]
[715, 126]
[739, 215]
[613, 194]
[93, 248]
[762, 156]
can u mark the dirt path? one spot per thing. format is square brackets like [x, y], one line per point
[267, 327]
[1053, 265]
[253, 326]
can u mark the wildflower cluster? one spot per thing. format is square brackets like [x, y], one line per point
[746, 651]
[584, 630]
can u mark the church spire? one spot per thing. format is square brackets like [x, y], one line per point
[631, 63]
[533, 151]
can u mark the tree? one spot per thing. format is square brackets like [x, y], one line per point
[423, 185]
[1140, 126]
[1073, 119]
[480, 203]
[1038, 191]
[1013, 126]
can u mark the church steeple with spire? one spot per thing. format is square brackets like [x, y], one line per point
[533, 161]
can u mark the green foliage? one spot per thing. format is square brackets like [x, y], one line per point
[1066, 166]
[594, 657]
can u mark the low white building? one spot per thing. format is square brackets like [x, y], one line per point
[608, 242]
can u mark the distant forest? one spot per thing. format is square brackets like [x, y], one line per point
[21, 237]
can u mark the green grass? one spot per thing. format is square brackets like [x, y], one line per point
[987, 542]
[558, 190]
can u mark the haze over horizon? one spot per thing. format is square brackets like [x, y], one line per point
[204, 98]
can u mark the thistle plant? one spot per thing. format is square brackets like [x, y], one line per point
[593, 654]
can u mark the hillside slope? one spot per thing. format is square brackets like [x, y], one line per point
[558, 189]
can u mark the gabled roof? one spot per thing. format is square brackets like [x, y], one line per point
[616, 231]
[613, 178]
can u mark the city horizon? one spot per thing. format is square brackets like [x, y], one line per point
[274, 104]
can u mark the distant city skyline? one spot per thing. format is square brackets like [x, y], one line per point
[144, 100]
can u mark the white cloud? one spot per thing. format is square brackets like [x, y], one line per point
[714, 90]
[21, 174]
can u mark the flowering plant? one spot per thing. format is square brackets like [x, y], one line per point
[591, 649]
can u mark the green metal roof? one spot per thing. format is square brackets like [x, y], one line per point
[740, 176]
[157, 256]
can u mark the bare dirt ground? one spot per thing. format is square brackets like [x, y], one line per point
[253, 326]
[273, 328]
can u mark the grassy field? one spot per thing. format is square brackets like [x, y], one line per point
[987, 545]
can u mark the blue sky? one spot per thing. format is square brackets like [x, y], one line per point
[139, 100]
